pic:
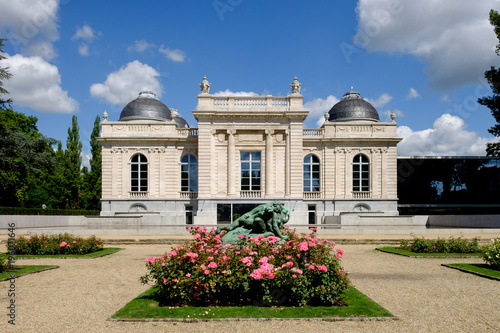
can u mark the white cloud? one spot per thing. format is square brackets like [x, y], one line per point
[412, 93]
[447, 137]
[140, 46]
[445, 98]
[452, 37]
[228, 92]
[381, 101]
[174, 55]
[125, 84]
[318, 107]
[30, 26]
[37, 84]
[85, 33]
[83, 49]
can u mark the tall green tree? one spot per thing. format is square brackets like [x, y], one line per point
[4, 75]
[73, 162]
[493, 102]
[92, 179]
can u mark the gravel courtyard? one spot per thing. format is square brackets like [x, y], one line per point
[81, 294]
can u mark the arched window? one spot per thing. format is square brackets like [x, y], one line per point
[138, 173]
[360, 173]
[189, 174]
[311, 173]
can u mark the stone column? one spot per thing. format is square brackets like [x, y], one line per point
[269, 163]
[230, 162]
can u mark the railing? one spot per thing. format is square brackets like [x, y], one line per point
[250, 194]
[361, 194]
[313, 132]
[248, 102]
[189, 132]
[138, 194]
[188, 195]
[312, 195]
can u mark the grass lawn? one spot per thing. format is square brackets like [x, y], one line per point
[397, 250]
[483, 270]
[145, 306]
[23, 270]
[106, 251]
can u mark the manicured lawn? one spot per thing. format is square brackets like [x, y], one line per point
[145, 306]
[483, 270]
[23, 270]
[397, 250]
[97, 254]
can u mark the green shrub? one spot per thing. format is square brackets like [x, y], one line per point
[57, 244]
[259, 271]
[491, 253]
[40, 211]
[4, 264]
[440, 245]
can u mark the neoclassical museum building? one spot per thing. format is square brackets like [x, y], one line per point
[247, 151]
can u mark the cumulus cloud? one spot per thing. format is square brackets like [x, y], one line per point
[318, 107]
[412, 93]
[125, 84]
[174, 55]
[37, 84]
[30, 26]
[140, 46]
[83, 49]
[381, 101]
[447, 137]
[228, 92]
[453, 38]
[85, 33]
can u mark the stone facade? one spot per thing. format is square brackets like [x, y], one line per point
[249, 150]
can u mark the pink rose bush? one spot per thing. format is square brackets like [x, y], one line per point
[202, 272]
[57, 244]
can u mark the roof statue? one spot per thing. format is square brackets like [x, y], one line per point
[205, 85]
[295, 86]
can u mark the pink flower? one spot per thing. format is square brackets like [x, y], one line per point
[46, 246]
[74, 242]
[303, 246]
[63, 244]
[227, 246]
[162, 264]
[203, 266]
[433, 246]
[322, 268]
[188, 274]
[212, 265]
[165, 281]
[340, 251]
[294, 276]
[210, 258]
[247, 261]
[195, 295]
[206, 272]
[197, 236]
[225, 258]
[172, 254]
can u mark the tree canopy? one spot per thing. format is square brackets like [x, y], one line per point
[493, 102]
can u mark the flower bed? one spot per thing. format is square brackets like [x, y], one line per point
[440, 245]
[56, 244]
[258, 271]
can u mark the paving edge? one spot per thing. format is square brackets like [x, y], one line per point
[472, 272]
[200, 320]
[426, 257]
[42, 270]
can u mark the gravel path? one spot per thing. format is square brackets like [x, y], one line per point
[82, 294]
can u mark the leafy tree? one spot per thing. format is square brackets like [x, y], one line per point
[493, 102]
[4, 75]
[92, 179]
[24, 153]
[72, 165]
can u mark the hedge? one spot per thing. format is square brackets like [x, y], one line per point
[40, 211]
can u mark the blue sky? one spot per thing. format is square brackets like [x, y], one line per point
[423, 60]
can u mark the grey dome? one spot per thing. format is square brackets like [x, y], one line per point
[146, 106]
[353, 107]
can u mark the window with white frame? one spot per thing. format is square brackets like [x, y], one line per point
[189, 174]
[361, 173]
[311, 173]
[250, 171]
[138, 173]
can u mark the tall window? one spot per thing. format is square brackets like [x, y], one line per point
[189, 174]
[311, 174]
[361, 173]
[139, 173]
[250, 171]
